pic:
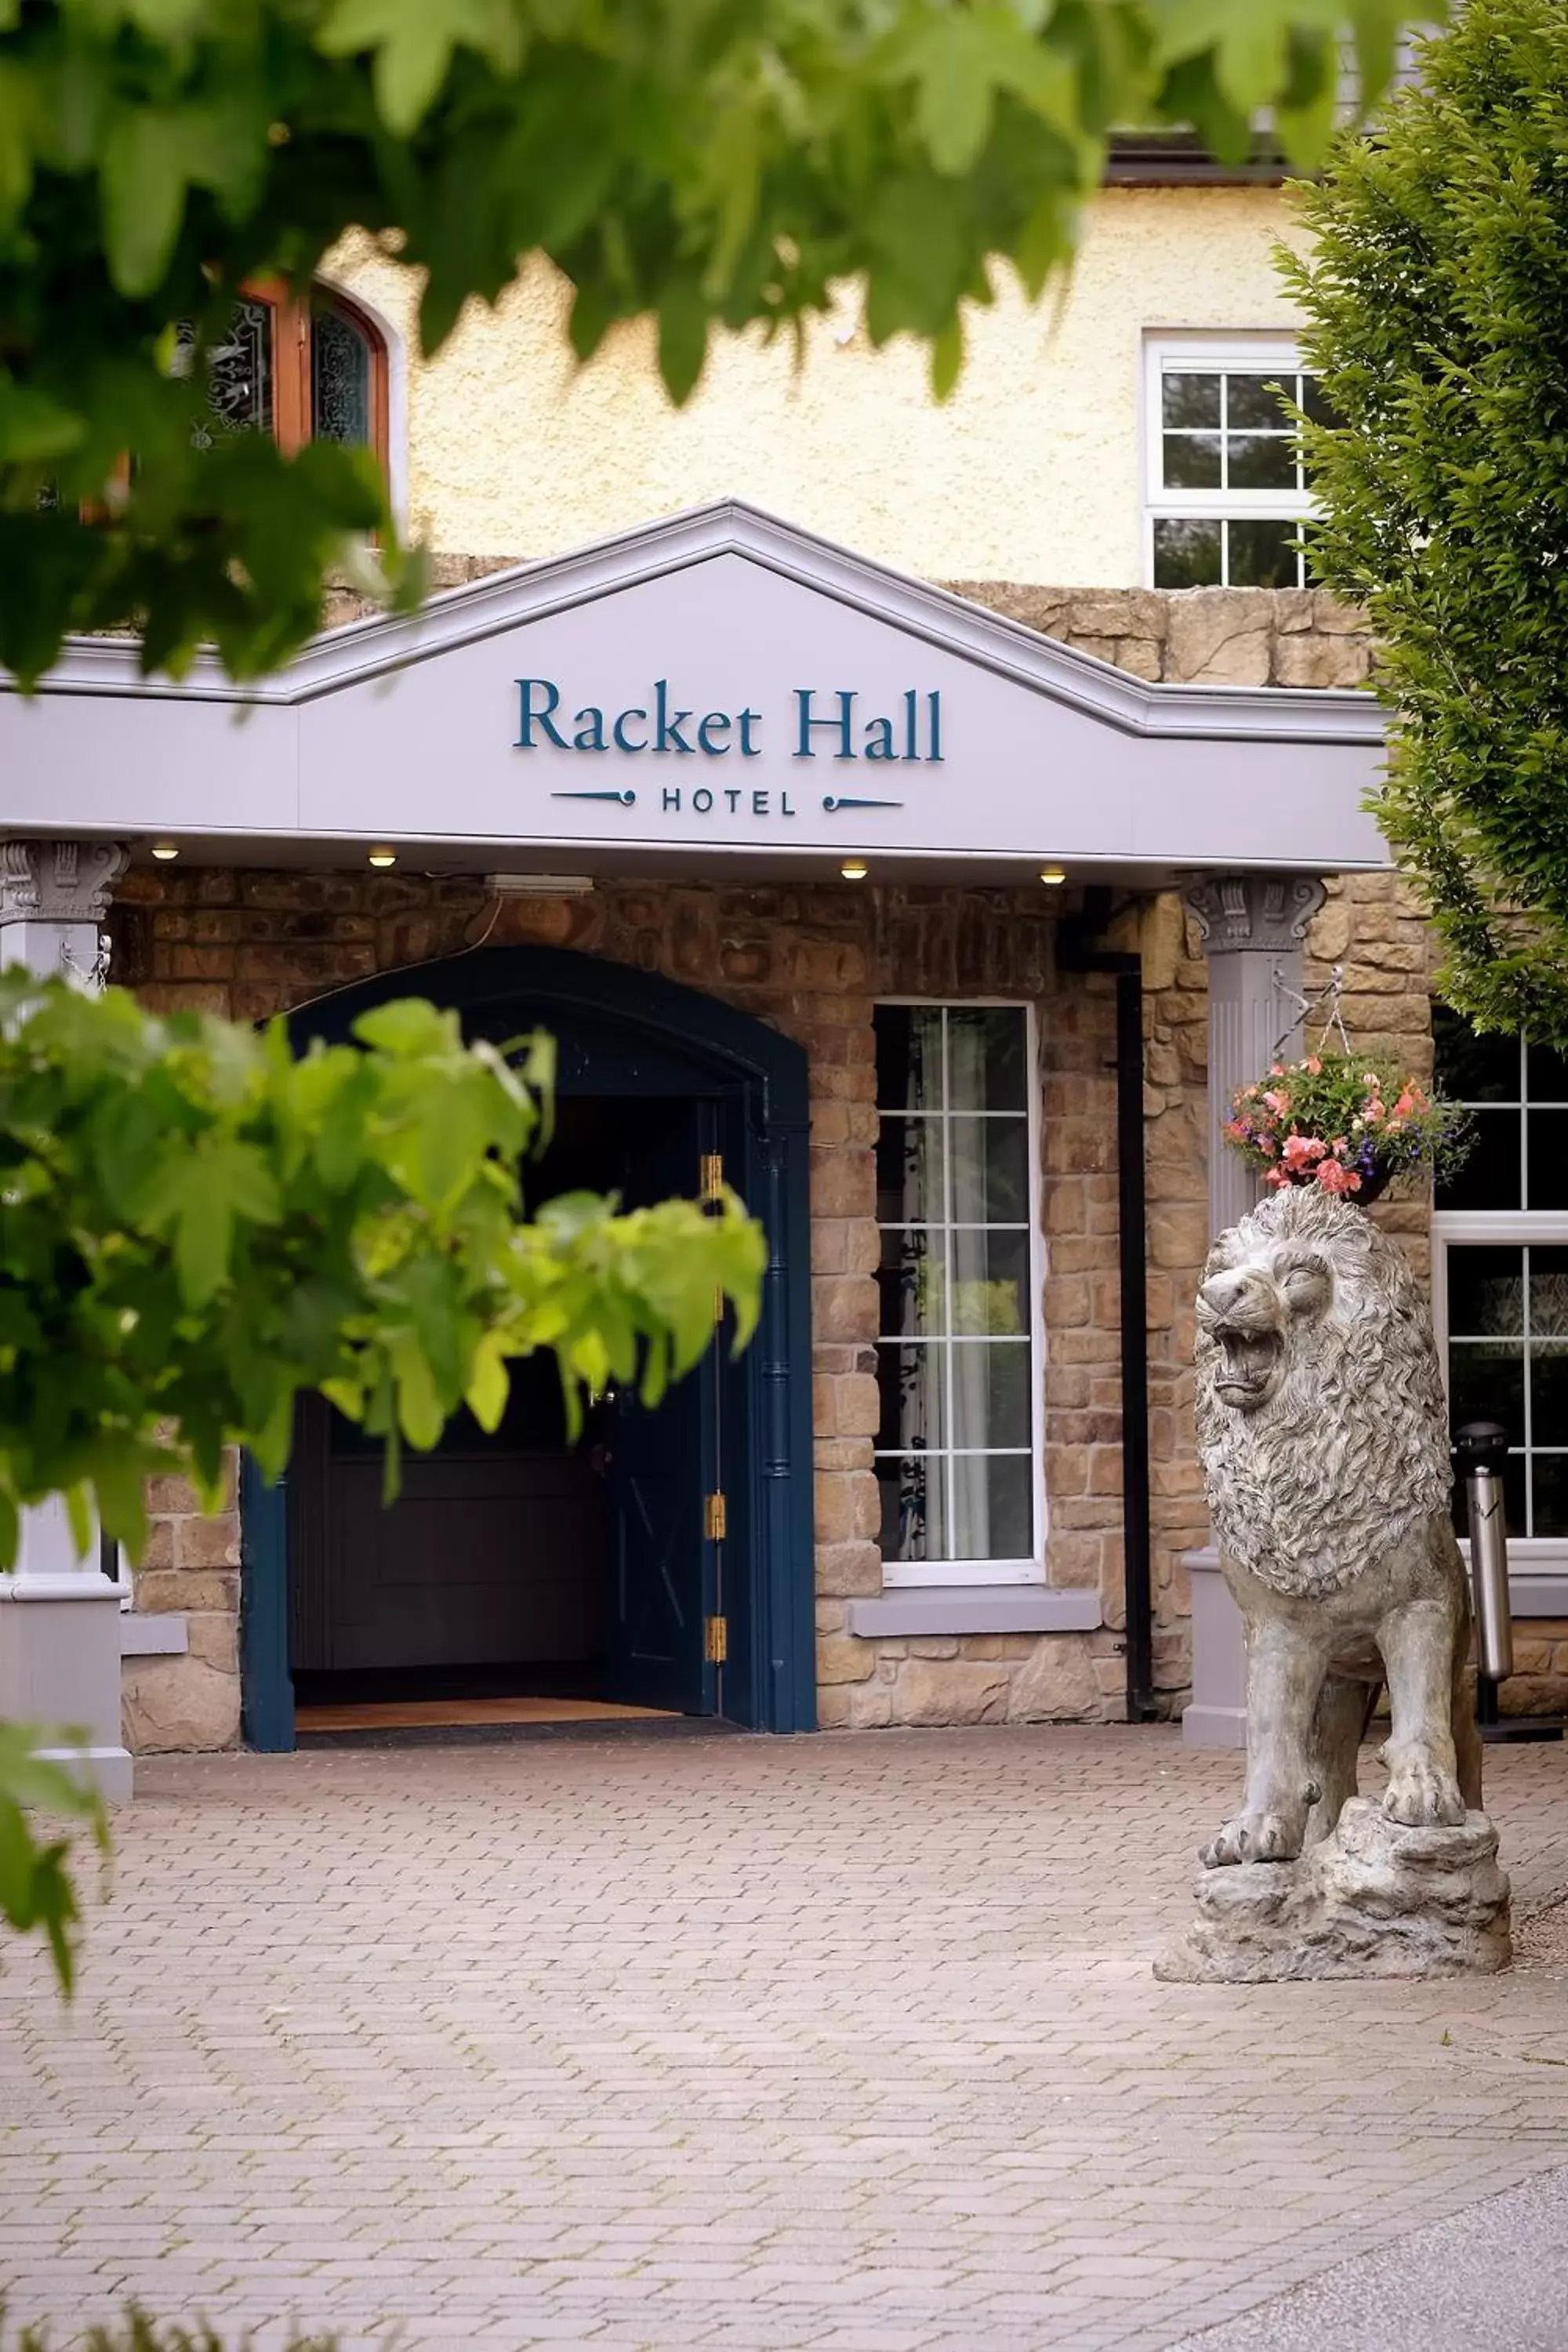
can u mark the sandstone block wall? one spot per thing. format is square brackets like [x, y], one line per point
[191, 1567]
[813, 958]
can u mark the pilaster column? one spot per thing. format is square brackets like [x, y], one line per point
[59, 1614]
[1253, 925]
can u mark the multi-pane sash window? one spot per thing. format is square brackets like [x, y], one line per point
[1227, 496]
[1501, 1233]
[957, 1368]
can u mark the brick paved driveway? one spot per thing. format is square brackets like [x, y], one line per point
[846, 2043]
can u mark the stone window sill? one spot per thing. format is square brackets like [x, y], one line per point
[155, 1634]
[975, 1609]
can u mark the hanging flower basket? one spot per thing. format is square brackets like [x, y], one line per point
[1345, 1123]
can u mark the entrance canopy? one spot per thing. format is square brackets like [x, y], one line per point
[716, 690]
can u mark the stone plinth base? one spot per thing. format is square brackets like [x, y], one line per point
[1374, 1900]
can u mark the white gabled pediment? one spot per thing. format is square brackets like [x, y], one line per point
[718, 682]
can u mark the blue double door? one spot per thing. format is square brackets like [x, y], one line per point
[663, 1559]
[664, 1477]
[537, 1559]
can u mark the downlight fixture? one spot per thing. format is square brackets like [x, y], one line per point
[854, 869]
[1053, 876]
[165, 851]
[383, 856]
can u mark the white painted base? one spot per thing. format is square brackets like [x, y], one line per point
[59, 1651]
[111, 1770]
[1214, 1726]
[1217, 1715]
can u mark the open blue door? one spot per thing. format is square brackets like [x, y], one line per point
[663, 1466]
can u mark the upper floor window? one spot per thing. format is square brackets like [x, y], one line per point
[1227, 496]
[311, 370]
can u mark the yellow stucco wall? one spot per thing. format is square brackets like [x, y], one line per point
[1030, 472]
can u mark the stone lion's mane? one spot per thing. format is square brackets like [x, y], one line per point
[1352, 1450]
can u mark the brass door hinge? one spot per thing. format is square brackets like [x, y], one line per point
[710, 1175]
[716, 1640]
[713, 1518]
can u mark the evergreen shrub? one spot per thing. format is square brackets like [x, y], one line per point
[1436, 300]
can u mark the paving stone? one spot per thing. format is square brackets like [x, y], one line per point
[740, 2045]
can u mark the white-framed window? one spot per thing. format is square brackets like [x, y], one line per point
[1499, 1233]
[1225, 498]
[958, 1454]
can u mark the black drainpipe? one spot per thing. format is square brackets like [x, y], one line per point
[1075, 953]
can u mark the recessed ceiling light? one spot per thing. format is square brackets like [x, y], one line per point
[854, 869]
[383, 856]
[165, 850]
[1053, 876]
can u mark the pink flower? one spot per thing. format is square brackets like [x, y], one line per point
[1233, 1126]
[1299, 1151]
[1335, 1179]
[1280, 1104]
[1276, 1176]
[1406, 1105]
[1276, 1069]
[1313, 1064]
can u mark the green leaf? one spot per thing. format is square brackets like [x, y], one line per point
[141, 175]
[409, 1027]
[79, 1515]
[200, 1197]
[21, 108]
[682, 338]
[488, 1386]
[953, 108]
[412, 43]
[36, 1891]
[947, 358]
[34, 426]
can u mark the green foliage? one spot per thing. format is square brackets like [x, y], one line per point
[137, 2333]
[698, 161]
[36, 1891]
[1437, 296]
[1344, 1124]
[197, 1225]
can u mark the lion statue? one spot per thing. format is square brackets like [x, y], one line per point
[1323, 1437]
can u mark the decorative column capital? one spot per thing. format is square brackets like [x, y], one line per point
[58, 881]
[1266, 913]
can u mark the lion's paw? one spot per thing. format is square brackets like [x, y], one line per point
[1421, 1795]
[1254, 1837]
